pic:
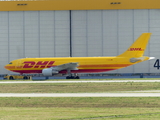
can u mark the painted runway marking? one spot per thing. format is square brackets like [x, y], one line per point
[89, 81]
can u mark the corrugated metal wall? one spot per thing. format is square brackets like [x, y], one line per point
[111, 32]
[93, 33]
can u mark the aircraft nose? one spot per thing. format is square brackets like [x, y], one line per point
[6, 66]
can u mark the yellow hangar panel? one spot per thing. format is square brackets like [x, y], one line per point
[77, 5]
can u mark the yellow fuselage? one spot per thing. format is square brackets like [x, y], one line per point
[86, 64]
[133, 55]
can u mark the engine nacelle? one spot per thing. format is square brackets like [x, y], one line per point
[49, 72]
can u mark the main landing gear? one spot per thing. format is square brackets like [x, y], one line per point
[72, 77]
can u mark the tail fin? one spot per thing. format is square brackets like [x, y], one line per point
[138, 47]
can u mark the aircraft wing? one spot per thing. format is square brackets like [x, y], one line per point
[67, 66]
[54, 70]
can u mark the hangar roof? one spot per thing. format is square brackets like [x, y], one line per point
[28, 5]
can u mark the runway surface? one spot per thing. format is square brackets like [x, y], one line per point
[148, 93]
[86, 81]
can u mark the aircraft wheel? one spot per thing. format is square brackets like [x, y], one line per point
[72, 77]
[25, 77]
[77, 77]
[67, 77]
[11, 78]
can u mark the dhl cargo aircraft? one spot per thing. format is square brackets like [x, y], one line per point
[68, 65]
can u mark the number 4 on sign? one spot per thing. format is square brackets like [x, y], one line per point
[156, 64]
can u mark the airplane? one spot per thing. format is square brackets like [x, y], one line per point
[73, 65]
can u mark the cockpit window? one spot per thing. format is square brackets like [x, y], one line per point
[10, 63]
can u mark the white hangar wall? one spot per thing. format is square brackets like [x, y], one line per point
[92, 33]
[111, 32]
[33, 34]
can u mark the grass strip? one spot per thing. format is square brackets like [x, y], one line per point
[77, 87]
[79, 108]
[91, 102]
[25, 113]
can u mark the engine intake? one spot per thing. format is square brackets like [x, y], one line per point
[49, 72]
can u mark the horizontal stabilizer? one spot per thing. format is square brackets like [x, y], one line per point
[151, 58]
[133, 60]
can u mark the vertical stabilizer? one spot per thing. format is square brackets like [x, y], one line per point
[138, 47]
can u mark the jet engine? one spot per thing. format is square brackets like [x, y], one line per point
[49, 72]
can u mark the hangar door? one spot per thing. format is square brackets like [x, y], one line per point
[77, 33]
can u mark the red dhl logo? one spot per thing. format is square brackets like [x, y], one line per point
[135, 49]
[39, 64]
